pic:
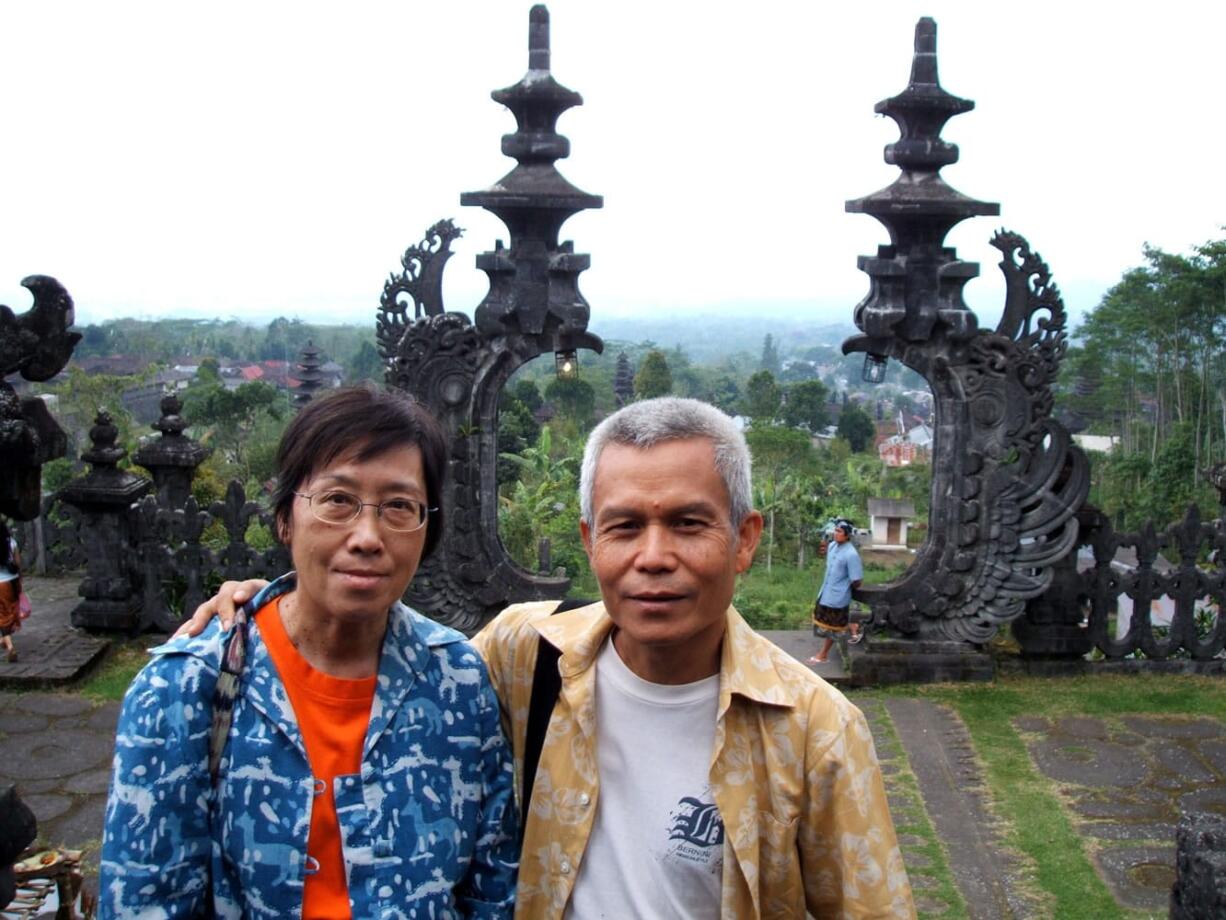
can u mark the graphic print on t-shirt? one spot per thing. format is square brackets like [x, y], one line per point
[696, 833]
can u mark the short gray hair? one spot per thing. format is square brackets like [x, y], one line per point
[670, 418]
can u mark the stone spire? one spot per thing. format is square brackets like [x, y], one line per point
[534, 285]
[917, 281]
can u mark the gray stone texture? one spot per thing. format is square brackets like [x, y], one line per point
[1128, 781]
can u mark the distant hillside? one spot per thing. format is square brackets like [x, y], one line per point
[708, 337]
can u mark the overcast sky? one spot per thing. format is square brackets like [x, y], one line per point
[255, 159]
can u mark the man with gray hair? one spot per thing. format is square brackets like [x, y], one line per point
[689, 769]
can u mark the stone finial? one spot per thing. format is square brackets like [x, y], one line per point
[104, 453]
[534, 286]
[174, 457]
[916, 282]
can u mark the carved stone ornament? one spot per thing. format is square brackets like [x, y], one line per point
[37, 344]
[458, 368]
[421, 279]
[1006, 479]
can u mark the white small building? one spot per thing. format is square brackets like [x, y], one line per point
[1100, 443]
[888, 519]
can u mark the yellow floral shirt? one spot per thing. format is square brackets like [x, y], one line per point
[793, 771]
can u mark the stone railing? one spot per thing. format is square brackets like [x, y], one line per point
[149, 551]
[173, 564]
[1154, 595]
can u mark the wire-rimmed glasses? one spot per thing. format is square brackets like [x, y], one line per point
[336, 506]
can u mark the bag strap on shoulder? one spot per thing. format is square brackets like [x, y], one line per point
[546, 685]
[233, 659]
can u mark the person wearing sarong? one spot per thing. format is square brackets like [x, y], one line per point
[843, 574]
[10, 592]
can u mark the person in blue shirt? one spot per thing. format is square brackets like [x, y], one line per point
[334, 753]
[843, 574]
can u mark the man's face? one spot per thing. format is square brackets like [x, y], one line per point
[840, 535]
[662, 544]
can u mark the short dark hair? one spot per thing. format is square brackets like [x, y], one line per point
[367, 421]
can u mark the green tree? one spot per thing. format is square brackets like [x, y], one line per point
[806, 406]
[856, 427]
[574, 399]
[782, 457]
[1150, 368]
[654, 377]
[762, 397]
[543, 504]
[526, 392]
[209, 371]
[82, 396]
[367, 364]
[230, 418]
[770, 357]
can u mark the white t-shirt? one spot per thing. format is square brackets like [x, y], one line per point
[657, 843]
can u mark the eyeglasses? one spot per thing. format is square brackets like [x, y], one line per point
[336, 507]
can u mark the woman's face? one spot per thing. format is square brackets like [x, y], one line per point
[358, 569]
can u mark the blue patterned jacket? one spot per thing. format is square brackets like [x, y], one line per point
[428, 826]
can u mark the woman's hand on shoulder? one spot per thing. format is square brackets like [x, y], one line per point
[224, 605]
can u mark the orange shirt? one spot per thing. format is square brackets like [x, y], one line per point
[333, 714]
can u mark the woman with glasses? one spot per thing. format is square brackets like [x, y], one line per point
[335, 754]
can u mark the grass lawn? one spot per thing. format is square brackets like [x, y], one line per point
[1033, 820]
[111, 679]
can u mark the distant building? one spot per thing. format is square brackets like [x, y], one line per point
[906, 447]
[888, 520]
[1100, 443]
[116, 365]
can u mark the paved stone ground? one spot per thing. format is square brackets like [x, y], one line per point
[1123, 780]
[57, 749]
[1126, 781]
[941, 755]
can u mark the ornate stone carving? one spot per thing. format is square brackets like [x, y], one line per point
[103, 497]
[37, 344]
[458, 367]
[421, 278]
[1006, 479]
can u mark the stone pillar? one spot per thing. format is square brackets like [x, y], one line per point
[172, 458]
[103, 497]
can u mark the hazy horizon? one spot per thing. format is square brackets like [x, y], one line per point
[276, 159]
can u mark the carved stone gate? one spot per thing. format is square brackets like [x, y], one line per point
[458, 367]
